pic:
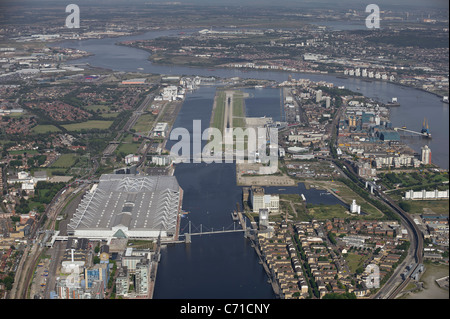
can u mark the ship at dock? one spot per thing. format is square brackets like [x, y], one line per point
[393, 102]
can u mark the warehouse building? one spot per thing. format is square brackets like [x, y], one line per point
[129, 206]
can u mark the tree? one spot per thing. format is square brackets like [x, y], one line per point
[359, 270]
[405, 206]
[332, 238]
[334, 295]
[8, 282]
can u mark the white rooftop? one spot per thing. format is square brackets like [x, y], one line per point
[130, 202]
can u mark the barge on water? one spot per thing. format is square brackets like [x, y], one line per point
[393, 102]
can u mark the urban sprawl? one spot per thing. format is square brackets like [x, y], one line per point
[88, 188]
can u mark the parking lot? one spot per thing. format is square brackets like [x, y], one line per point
[40, 278]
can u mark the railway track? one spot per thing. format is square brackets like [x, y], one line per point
[416, 235]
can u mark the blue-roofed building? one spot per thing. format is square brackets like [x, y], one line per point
[367, 117]
[98, 272]
[389, 136]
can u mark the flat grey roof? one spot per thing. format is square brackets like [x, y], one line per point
[136, 202]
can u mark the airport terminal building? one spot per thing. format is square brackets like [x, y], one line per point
[129, 206]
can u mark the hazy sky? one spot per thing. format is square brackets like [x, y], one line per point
[309, 3]
[342, 5]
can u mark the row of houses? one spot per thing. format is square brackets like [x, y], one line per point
[281, 257]
[326, 267]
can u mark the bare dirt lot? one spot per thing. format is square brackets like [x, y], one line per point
[247, 175]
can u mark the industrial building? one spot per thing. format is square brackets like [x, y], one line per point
[260, 200]
[389, 136]
[129, 206]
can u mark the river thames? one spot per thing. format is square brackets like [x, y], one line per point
[416, 105]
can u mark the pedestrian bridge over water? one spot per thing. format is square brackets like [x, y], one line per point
[194, 230]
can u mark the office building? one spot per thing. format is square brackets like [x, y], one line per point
[122, 282]
[318, 96]
[142, 277]
[132, 257]
[426, 155]
[260, 200]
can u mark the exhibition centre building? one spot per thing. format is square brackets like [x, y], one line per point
[129, 206]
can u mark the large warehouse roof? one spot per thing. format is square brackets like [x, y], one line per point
[129, 205]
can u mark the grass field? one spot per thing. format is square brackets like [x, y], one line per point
[29, 152]
[128, 148]
[102, 110]
[98, 107]
[354, 261]
[109, 115]
[144, 123]
[219, 111]
[238, 110]
[299, 207]
[127, 138]
[429, 206]
[418, 178]
[347, 196]
[65, 161]
[94, 124]
[41, 129]
[323, 212]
